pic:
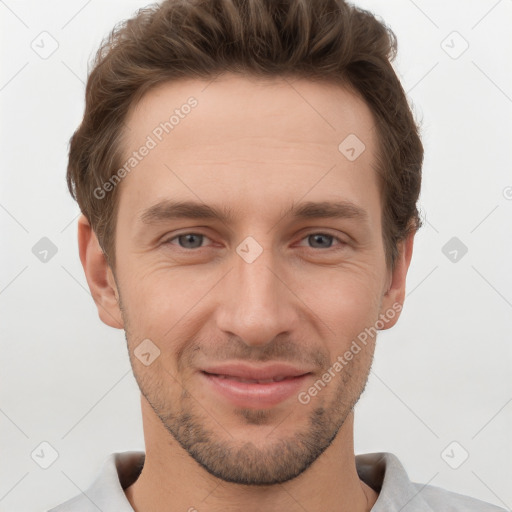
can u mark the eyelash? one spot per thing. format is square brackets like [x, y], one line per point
[341, 244]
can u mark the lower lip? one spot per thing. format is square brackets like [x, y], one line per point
[255, 395]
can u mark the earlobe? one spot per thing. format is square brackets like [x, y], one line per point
[99, 275]
[393, 299]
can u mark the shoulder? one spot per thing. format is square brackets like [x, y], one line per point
[448, 501]
[78, 503]
[384, 473]
[106, 492]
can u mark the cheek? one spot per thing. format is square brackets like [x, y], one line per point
[345, 299]
[159, 305]
[160, 300]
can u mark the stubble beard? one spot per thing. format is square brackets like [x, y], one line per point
[282, 458]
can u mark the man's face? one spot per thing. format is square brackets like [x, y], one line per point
[261, 286]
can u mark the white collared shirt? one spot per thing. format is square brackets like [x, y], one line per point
[381, 471]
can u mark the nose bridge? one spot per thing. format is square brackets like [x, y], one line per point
[255, 306]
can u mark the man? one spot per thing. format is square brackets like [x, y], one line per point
[276, 140]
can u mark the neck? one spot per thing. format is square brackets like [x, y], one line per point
[172, 480]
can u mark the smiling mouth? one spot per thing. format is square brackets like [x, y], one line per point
[254, 387]
[278, 378]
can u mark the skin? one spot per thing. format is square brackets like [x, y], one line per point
[257, 147]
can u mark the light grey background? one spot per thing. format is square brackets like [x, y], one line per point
[441, 375]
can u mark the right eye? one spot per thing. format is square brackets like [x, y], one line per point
[188, 240]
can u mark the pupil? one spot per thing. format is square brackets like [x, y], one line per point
[317, 238]
[190, 238]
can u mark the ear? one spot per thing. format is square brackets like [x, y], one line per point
[393, 299]
[99, 275]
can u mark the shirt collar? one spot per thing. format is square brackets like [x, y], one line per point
[381, 471]
[386, 475]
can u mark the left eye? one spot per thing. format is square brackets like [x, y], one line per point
[325, 240]
[194, 240]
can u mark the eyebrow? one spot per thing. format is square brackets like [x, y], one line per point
[170, 210]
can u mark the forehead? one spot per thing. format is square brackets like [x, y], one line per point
[236, 138]
[241, 105]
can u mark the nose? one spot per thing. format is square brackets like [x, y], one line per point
[255, 302]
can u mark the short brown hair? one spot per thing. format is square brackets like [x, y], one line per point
[327, 40]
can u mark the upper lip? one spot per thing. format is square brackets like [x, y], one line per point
[262, 372]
